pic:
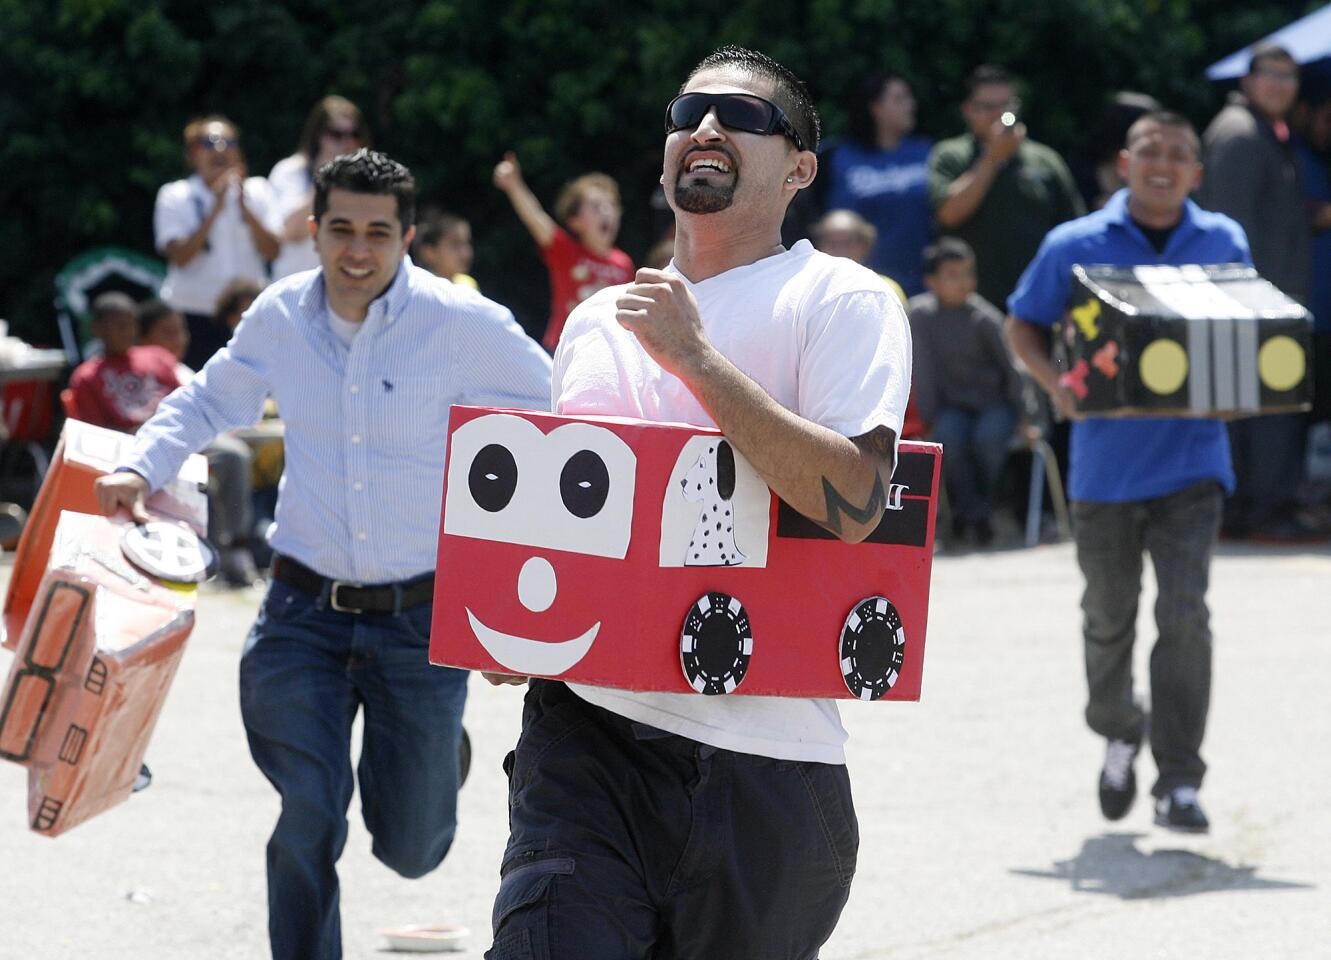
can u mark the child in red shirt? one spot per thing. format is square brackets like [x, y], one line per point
[121, 388]
[582, 259]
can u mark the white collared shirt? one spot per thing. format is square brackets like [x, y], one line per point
[229, 254]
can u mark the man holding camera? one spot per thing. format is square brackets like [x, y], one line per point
[997, 189]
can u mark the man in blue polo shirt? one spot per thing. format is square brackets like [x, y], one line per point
[1140, 485]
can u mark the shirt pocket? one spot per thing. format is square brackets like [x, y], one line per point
[411, 412]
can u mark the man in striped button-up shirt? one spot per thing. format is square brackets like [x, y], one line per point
[364, 357]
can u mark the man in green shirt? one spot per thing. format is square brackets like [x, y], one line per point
[995, 188]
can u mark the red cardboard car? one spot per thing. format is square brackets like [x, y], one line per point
[652, 556]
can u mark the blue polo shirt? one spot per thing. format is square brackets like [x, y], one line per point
[1117, 460]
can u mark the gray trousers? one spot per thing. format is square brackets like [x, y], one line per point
[1179, 532]
[230, 515]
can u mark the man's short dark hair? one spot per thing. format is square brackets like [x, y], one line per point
[1162, 118]
[984, 75]
[788, 91]
[150, 312]
[943, 250]
[367, 171]
[113, 301]
[1269, 51]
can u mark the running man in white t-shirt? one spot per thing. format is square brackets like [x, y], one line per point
[651, 824]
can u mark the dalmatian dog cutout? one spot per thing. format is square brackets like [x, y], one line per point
[715, 512]
[711, 482]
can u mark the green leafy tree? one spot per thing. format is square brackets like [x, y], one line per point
[94, 94]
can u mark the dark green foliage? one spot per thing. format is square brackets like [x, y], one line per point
[93, 94]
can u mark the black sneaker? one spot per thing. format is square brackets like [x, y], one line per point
[1179, 810]
[1118, 779]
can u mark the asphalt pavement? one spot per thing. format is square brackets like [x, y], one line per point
[981, 835]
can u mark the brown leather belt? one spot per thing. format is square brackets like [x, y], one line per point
[346, 597]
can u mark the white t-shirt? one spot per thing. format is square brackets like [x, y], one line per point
[829, 341]
[292, 183]
[344, 330]
[230, 252]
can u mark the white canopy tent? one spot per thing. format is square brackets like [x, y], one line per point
[1307, 39]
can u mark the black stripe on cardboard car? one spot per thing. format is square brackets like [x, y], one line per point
[873, 648]
[716, 644]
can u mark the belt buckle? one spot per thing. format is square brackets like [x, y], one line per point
[333, 601]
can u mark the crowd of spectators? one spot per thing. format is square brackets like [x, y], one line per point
[950, 225]
[999, 192]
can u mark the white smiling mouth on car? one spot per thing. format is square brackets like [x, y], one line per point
[532, 657]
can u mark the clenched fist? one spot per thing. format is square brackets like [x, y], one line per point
[659, 309]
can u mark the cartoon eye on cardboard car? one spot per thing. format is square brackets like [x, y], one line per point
[652, 556]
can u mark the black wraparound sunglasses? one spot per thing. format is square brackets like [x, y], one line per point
[738, 111]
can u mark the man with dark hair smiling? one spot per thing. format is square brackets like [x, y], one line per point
[654, 824]
[364, 357]
[1149, 485]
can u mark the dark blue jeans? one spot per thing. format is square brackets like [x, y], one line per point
[305, 672]
[975, 446]
[629, 843]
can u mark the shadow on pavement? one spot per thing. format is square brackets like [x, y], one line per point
[1111, 864]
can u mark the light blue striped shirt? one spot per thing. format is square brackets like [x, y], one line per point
[366, 425]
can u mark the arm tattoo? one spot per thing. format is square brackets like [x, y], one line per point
[879, 442]
[871, 512]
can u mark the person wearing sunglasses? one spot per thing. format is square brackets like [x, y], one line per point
[334, 126]
[213, 227]
[651, 824]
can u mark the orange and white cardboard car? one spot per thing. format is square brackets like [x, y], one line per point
[83, 454]
[97, 640]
